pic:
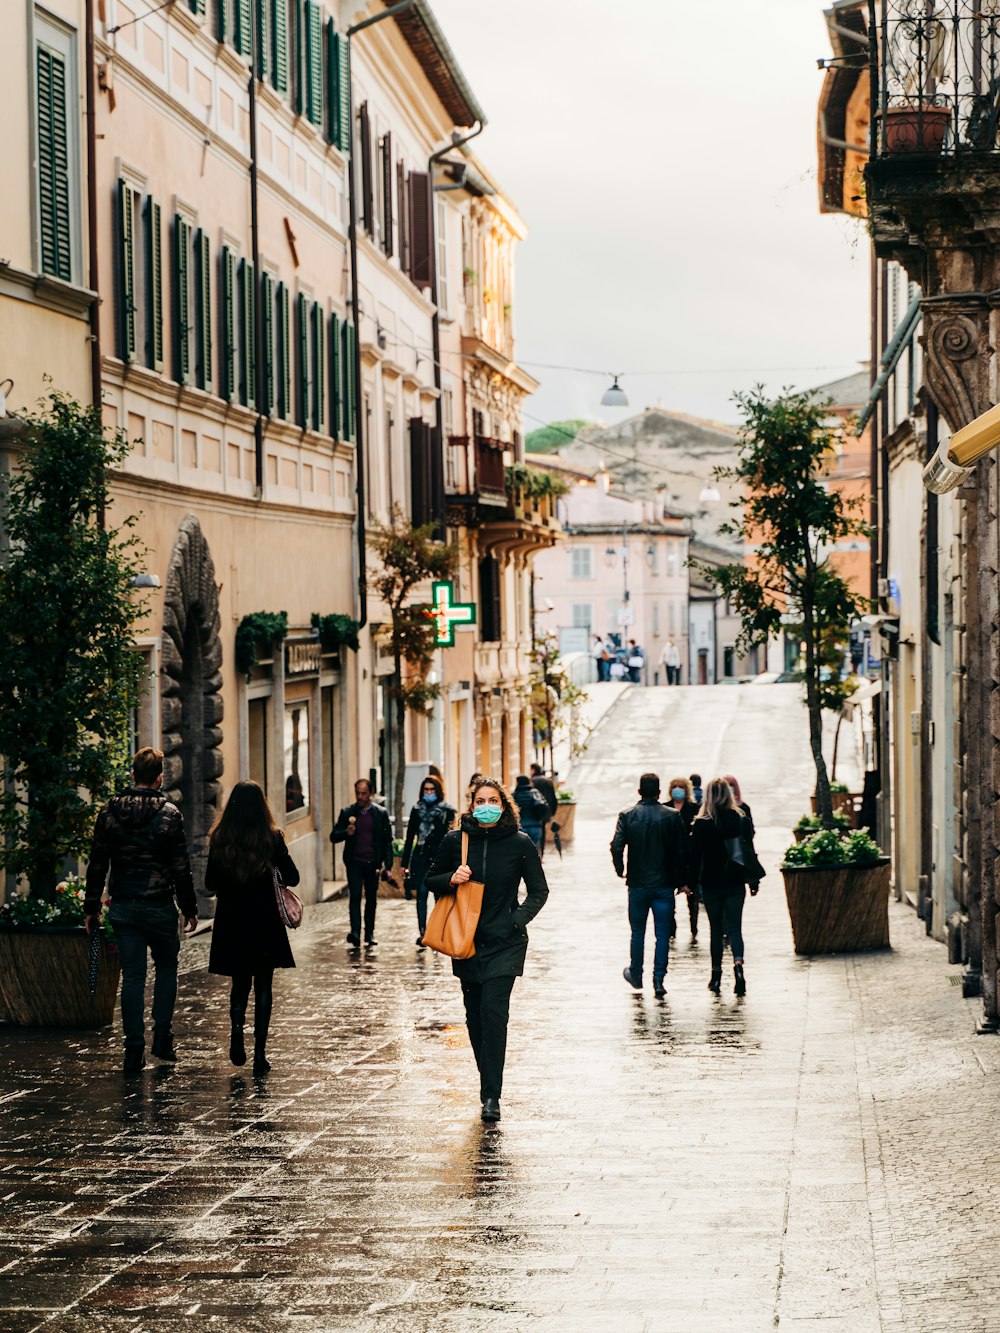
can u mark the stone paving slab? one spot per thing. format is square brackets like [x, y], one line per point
[796, 1160]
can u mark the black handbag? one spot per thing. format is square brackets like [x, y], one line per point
[741, 861]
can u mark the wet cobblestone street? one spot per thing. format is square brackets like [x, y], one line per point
[790, 1160]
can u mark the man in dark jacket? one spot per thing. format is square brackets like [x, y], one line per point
[657, 865]
[365, 830]
[140, 837]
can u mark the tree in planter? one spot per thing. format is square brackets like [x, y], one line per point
[791, 519]
[69, 671]
[409, 556]
[554, 699]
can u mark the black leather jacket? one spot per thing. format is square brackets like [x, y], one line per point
[657, 847]
[140, 837]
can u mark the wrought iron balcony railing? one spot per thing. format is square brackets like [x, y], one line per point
[935, 73]
[486, 479]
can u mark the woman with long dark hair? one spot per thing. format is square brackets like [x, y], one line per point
[501, 857]
[249, 939]
[723, 880]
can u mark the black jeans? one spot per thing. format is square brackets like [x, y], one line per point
[362, 876]
[419, 866]
[263, 1001]
[142, 928]
[724, 905]
[487, 1008]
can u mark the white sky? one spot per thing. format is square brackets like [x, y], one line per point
[663, 155]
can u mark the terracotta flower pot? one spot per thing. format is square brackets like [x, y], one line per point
[44, 978]
[911, 129]
[838, 909]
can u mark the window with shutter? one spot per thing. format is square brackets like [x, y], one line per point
[243, 37]
[248, 347]
[223, 25]
[365, 151]
[270, 358]
[314, 62]
[403, 208]
[489, 599]
[263, 34]
[336, 388]
[182, 300]
[386, 175]
[319, 366]
[53, 166]
[298, 55]
[304, 376]
[332, 67]
[228, 285]
[154, 286]
[420, 228]
[284, 353]
[420, 472]
[203, 311]
[343, 94]
[279, 45]
[126, 273]
[197, 7]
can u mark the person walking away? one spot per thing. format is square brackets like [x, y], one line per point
[681, 799]
[365, 830]
[723, 882]
[249, 939]
[502, 858]
[532, 810]
[139, 838]
[697, 793]
[430, 819]
[602, 657]
[636, 661]
[656, 842]
[547, 787]
[734, 787]
[670, 658]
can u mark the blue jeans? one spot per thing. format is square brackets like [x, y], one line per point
[142, 928]
[640, 903]
[536, 832]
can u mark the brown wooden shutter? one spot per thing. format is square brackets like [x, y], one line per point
[387, 195]
[420, 228]
[402, 199]
[367, 195]
[421, 473]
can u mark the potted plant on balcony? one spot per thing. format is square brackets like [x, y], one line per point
[70, 678]
[916, 115]
[837, 889]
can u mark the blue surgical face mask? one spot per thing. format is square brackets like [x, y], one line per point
[678, 793]
[430, 797]
[487, 814]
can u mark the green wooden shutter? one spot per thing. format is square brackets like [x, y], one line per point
[248, 358]
[126, 272]
[319, 365]
[343, 94]
[305, 379]
[267, 314]
[203, 311]
[299, 56]
[279, 45]
[222, 26]
[285, 356]
[228, 385]
[332, 81]
[198, 7]
[53, 166]
[336, 391]
[350, 403]
[261, 8]
[182, 300]
[243, 37]
[154, 286]
[314, 62]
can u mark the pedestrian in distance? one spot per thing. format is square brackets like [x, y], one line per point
[502, 858]
[430, 819]
[602, 657]
[635, 662]
[366, 832]
[547, 787]
[722, 877]
[670, 660]
[734, 787]
[656, 842]
[681, 799]
[139, 838]
[249, 939]
[532, 809]
[696, 791]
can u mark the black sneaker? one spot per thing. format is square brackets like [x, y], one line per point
[135, 1061]
[354, 940]
[627, 974]
[370, 943]
[659, 990]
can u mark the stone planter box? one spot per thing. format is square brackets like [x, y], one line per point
[838, 909]
[44, 978]
[565, 817]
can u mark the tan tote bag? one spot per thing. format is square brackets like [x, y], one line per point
[451, 927]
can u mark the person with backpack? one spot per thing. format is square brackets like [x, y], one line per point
[532, 808]
[724, 862]
[249, 939]
[430, 819]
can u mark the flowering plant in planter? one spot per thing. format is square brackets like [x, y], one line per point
[829, 847]
[65, 910]
[813, 823]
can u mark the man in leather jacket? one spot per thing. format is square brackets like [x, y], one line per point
[366, 831]
[656, 840]
[139, 836]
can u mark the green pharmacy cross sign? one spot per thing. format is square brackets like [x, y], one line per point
[447, 613]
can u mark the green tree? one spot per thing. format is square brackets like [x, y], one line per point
[69, 670]
[546, 439]
[791, 520]
[408, 557]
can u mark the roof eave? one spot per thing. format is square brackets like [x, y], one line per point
[442, 68]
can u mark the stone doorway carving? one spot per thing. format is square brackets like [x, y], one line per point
[192, 693]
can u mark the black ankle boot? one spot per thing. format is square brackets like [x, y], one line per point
[237, 1050]
[260, 1061]
[741, 981]
[715, 983]
[163, 1046]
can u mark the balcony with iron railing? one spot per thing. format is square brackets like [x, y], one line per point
[475, 472]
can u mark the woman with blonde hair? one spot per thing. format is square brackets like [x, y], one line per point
[719, 829]
[502, 858]
[681, 794]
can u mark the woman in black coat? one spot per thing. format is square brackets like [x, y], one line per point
[723, 882]
[430, 820]
[249, 939]
[681, 799]
[501, 856]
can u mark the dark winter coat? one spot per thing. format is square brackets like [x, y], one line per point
[383, 834]
[248, 934]
[501, 857]
[442, 817]
[709, 857]
[140, 837]
[548, 790]
[687, 812]
[532, 806]
[657, 847]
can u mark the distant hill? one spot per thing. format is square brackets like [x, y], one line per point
[547, 439]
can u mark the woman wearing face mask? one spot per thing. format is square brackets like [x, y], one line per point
[682, 800]
[502, 857]
[430, 820]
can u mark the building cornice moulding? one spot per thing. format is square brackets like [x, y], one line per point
[62, 298]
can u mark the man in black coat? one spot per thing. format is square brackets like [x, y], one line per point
[657, 841]
[139, 836]
[366, 831]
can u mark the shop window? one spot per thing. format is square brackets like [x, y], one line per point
[257, 742]
[296, 756]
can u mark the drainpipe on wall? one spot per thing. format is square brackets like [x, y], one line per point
[258, 278]
[96, 359]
